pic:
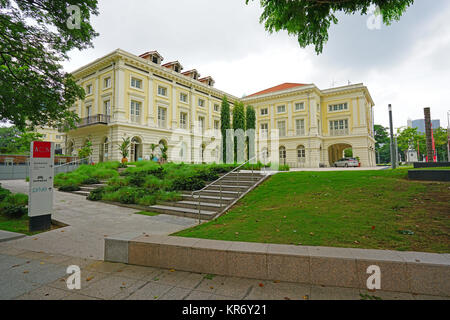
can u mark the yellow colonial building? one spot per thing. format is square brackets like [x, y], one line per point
[154, 103]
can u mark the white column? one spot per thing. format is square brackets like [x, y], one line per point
[193, 111]
[210, 120]
[355, 112]
[174, 107]
[97, 98]
[313, 130]
[272, 117]
[119, 113]
[289, 128]
[151, 106]
[362, 110]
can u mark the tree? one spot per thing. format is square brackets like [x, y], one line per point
[225, 125]
[85, 151]
[310, 20]
[382, 145]
[440, 140]
[238, 123]
[124, 148]
[250, 123]
[35, 37]
[15, 141]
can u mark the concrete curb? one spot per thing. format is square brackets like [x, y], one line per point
[409, 272]
[9, 236]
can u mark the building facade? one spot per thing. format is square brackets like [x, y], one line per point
[420, 125]
[152, 103]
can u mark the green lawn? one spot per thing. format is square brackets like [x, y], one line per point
[359, 209]
[150, 214]
[16, 225]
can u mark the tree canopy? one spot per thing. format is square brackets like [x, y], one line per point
[310, 20]
[35, 37]
[225, 123]
[15, 141]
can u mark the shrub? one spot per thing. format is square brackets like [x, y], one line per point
[148, 200]
[14, 206]
[69, 187]
[188, 183]
[97, 194]
[136, 180]
[284, 167]
[4, 193]
[91, 181]
[153, 184]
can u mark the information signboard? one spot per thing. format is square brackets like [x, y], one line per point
[40, 202]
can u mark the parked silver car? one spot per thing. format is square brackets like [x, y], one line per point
[347, 162]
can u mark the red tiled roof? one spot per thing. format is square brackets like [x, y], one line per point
[281, 87]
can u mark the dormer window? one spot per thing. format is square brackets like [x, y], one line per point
[152, 56]
[193, 74]
[175, 66]
[208, 81]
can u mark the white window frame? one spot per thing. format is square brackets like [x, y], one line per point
[183, 120]
[106, 107]
[338, 107]
[339, 127]
[183, 94]
[135, 111]
[107, 80]
[89, 89]
[300, 130]
[162, 121]
[216, 107]
[136, 80]
[264, 129]
[302, 108]
[280, 133]
[162, 91]
[202, 123]
[284, 108]
[301, 154]
[264, 111]
[218, 124]
[201, 105]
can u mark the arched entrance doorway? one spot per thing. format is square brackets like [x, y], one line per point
[336, 152]
[282, 155]
[163, 147]
[136, 149]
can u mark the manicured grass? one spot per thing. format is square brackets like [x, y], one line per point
[437, 168]
[150, 214]
[18, 225]
[359, 209]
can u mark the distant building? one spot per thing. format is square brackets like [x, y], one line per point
[420, 124]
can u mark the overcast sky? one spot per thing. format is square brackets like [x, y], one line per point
[406, 64]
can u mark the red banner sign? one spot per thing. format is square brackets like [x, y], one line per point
[42, 149]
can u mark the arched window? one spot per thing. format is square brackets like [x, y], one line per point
[301, 154]
[282, 155]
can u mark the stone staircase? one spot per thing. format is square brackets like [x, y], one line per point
[85, 190]
[213, 200]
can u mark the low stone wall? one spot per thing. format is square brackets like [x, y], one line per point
[410, 272]
[419, 165]
[429, 175]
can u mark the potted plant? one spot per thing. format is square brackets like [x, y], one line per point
[124, 148]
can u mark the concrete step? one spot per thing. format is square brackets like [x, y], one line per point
[184, 212]
[232, 182]
[81, 193]
[206, 198]
[208, 206]
[216, 193]
[229, 188]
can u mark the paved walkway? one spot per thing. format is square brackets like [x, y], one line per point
[89, 223]
[41, 276]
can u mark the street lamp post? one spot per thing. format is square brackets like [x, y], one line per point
[393, 151]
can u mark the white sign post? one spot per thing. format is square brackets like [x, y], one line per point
[40, 201]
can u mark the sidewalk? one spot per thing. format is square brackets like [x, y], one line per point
[41, 276]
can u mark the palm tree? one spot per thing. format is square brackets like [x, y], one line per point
[124, 148]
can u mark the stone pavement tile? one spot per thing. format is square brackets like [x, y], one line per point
[180, 279]
[33, 255]
[219, 297]
[80, 262]
[44, 293]
[237, 288]
[110, 287]
[387, 295]
[138, 272]
[105, 267]
[334, 293]
[87, 279]
[175, 294]
[78, 297]
[11, 250]
[36, 272]
[13, 287]
[151, 291]
[279, 291]
[199, 295]
[426, 297]
[8, 236]
[7, 262]
[57, 259]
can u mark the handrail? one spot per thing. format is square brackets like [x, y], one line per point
[70, 163]
[220, 179]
